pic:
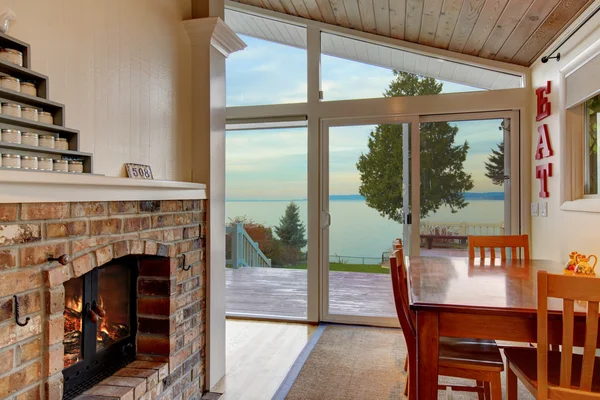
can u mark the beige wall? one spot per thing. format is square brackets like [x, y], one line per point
[123, 70]
[561, 232]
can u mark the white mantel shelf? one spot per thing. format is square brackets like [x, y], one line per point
[40, 187]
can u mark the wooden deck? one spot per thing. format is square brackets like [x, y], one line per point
[276, 292]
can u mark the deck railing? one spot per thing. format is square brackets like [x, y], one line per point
[245, 251]
[463, 228]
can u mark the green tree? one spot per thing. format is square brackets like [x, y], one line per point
[494, 167]
[443, 179]
[291, 230]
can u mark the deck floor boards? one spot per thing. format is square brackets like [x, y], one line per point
[279, 292]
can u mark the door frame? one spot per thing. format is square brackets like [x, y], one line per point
[324, 218]
[513, 204]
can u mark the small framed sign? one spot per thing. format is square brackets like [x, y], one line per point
[139, 171]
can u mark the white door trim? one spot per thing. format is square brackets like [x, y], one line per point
[324, 209]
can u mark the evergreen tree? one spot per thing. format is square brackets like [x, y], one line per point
[494, 167]
[443, 179]
[291, 230]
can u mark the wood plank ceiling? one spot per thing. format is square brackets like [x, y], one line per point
[514, 31]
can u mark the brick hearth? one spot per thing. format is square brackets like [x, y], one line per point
[171, 302]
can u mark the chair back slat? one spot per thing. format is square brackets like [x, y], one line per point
[589, 347]
[501, 242]
[399, 284]
[566, 360]
[570, 289]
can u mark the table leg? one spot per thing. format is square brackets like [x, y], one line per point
[428, 342]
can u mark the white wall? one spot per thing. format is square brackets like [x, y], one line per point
[555, 236]
[123, 70]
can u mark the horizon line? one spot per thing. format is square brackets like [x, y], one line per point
[331, 195]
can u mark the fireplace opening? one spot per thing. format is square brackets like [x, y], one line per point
[100, 324]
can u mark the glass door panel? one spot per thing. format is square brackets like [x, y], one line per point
[366, 208]
[465, 186]
[266, 211]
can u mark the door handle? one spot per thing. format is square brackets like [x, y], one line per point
[325, 219]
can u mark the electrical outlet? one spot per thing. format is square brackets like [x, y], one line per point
[544, 209]
[534, 209]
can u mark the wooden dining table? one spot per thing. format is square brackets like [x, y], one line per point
[458, 297]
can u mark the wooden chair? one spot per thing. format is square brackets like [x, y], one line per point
[475, 359]
[559, 375]
[512, 242]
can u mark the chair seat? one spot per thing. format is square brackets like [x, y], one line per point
[470, 353]
[524, 361]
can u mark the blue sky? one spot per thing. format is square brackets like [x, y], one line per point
[272, 164]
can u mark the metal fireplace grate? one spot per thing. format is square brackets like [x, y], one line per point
[97, 378]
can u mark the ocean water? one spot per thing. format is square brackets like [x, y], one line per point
[357, 230]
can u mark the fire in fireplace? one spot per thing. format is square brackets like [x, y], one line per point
[100, 324]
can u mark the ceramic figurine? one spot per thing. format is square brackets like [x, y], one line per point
[572, 263]
[5, 17]
[583, 265]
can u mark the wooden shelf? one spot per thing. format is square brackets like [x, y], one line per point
[41, 101]
[25, 74]
[38, 149]
[49, 172]
[70, 134]
[57, 109]
[16, 44]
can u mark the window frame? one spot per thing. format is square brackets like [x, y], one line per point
[515, 100]
[572, 139]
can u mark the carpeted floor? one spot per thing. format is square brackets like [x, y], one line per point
[351, 362]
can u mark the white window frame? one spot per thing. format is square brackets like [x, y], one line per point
[572, 140]
[513, 100]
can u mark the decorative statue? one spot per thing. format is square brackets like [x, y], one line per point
[5, 16]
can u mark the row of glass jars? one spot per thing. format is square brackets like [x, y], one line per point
[9, 82]
[30, 113]
[33, 139]
[40, 163]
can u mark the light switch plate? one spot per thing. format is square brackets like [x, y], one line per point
[534, 209]
[543, 209]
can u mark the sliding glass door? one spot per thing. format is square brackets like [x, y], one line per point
[366, 205]
[430, 181]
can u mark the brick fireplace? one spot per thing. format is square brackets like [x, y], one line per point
[160, 243]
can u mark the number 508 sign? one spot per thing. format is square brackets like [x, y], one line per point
[139, 171]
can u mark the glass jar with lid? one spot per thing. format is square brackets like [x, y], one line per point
[47, 141]
[76, 166]
[61, 144]
[61, 165]
[8, 82]
[29, 138]
[28, 88]
[45, 117]
[11, 161]
[45, 164]
[29, 162]
[10, 136]
[29, 113]
[14, 110]
[11, 55]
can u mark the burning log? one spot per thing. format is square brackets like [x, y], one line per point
[72, 343]
[72, 320]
